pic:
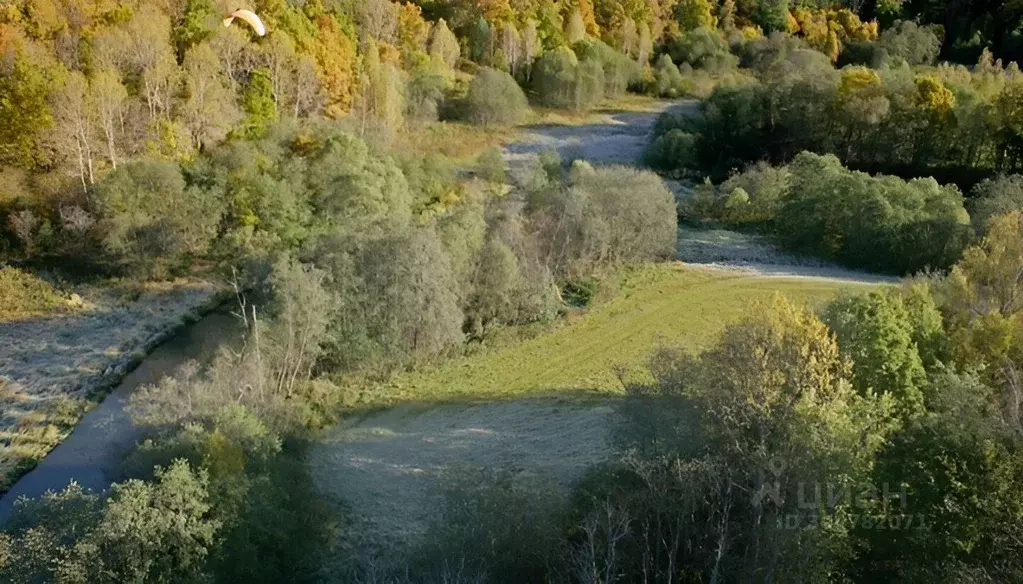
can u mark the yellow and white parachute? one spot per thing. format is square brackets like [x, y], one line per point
[249, 18]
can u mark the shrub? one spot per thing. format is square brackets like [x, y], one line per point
[703, 48]
[674, 150]
[994, 197]
[150, 220]
[619, 70]
[424, 93]
[554, 77]
[879, 223]
[876, 332]
[917, 45]
[667, 79]
[589, 86]
[609, 215]
[867, 53]
[397, 299]
[25, 294]
[495, 98]
[561, 80]
[765, 186]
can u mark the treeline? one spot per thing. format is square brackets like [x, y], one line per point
[818, 207]
[218, 490]
[954, 123]
[91, 86]
[878, 439]
[409, 254]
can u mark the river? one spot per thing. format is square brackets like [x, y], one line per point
[92, 454]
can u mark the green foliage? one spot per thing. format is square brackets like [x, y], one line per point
[480, 41]
[397, 299]
[915, 44]
[619, 71]
[24, 87]
[284, 187]
[674, 149]
[959, 470]
[424, 93]
[26, 294]
[161, 530]
[981, 300]
[258, 103]
[193, 26]
[703, 48]
[876, 333]
[694, 14]
[151, 219]
[495, 98]
[879, 223]
[735, 425]
[668, 81]
[994, 197]
[561, 79]
[592, 224]
[443, 44]
[492, 166]
[950, 123]
[772, 15]
[765, 187]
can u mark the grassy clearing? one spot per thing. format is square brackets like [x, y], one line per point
[663, 305]
[456, 140]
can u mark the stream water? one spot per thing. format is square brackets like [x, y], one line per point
[91, 455]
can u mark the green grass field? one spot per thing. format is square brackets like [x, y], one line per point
[663, 305]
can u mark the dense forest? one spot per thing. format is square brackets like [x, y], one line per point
[313, 167]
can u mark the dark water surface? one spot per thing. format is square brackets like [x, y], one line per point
[91, 455]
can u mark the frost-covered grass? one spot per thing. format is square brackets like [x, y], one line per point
[391, 468]
[756, 255]
[710, 245]
[539, 408]
[52, 366]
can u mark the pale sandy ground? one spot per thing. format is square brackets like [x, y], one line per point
[749, 254]
[620, 140]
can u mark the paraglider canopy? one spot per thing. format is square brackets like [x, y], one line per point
[249, 18]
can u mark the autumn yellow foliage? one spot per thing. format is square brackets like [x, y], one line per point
[826, 30]
[933, 95]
